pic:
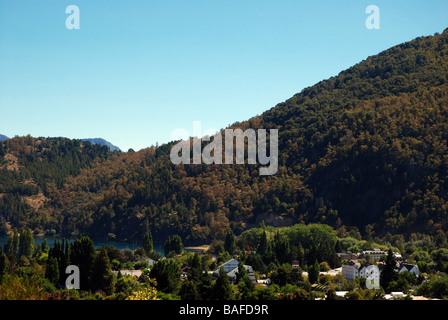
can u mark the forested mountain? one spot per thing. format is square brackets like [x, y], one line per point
[3, 137]
[32, 170]
[366, 149]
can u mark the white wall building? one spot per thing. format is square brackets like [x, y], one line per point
[375, 254]
[350, 270]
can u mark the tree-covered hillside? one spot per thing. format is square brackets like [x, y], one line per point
[32, 170]
[366, 148]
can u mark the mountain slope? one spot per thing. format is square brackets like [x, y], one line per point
[364, 149]
[32, 170]
[3, 137]
[367, 147]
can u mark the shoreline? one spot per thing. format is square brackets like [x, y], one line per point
[198, 248]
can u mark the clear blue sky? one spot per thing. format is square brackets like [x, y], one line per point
[137, 70]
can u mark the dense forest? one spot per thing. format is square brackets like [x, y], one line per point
[364, 151]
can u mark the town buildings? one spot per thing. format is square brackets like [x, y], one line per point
[352, 268]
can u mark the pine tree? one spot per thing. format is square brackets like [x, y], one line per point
[282, 248]
[301, 254]
[102, 277]
[242, 272]
[229, 242]
[205, 286]
[173, 243]
[45, 248]
[52, 271]
[222, 290]
[263, 245]
[26, 243]
[9, 251]
[64, 259]
[188, 291]
[246, 288]
[167, 274]
[148, 245]
[3, 264]
[338, 246]
[2, 150]
[15, 244]
[12, 245]
[82, 255]
[195, 269]
[388, 274]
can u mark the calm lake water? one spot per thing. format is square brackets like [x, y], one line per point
[117, 244]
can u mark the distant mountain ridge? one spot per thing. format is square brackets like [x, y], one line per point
[102, 142]
[99, 141]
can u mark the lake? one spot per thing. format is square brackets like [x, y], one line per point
[117, 244]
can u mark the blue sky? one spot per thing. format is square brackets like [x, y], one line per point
[137, 70]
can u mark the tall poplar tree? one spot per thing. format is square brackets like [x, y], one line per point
[148, 245]
[313, 272]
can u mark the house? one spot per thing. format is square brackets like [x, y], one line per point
[397, 256]
[264, 282]
[132, 273]
[184, 272]
[295, 264]
[332, 272]
[151, 262]
[362, 271]
[409, 267]
[340, 295]
[355, 270]
[394, 295]
[231, 268]
[347, 255]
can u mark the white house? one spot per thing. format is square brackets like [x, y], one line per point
[362, 271]
[231, 268]
[355, 270]
[409, 267]
[151, 262]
